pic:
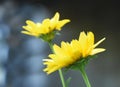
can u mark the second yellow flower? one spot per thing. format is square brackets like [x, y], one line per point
[69, 53]
[46, 27]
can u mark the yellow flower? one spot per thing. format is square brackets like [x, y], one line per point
[46, 27]
[71, 52]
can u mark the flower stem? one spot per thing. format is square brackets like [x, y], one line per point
[51, 45]
[85, 77]
[60, 71]
[62, 78]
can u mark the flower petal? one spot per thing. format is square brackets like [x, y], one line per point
[90, 39]
[56, 17]
[26, 32]
[61, 24]
[99, 42]
[31, 23]
[97, 50]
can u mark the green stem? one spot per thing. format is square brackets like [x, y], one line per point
[60, 71]
[85, 77]
[51, 45]
[62, 78]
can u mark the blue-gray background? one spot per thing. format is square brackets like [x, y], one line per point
[21, 55]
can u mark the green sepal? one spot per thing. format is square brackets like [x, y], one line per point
[82, 62]
[49, 36]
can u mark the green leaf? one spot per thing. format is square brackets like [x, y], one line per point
[68, 81]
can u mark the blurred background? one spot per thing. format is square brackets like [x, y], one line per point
[21, 55]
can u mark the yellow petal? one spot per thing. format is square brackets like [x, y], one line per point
[46, 22]
[97, 50]
[54, 21]
[83, 43]
[99, 42]
[61, 24]
[56, 17]
[82, 39]
[49, 60]
[53, 69]
[52, 56]
[26, 32]
[57, 49]
[90, 39]
[31, 23]
[82, 36]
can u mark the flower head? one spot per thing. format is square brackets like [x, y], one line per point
[46, 27]
[71, 52]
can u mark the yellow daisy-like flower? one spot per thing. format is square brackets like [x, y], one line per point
[46, 27]
[69, 53]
